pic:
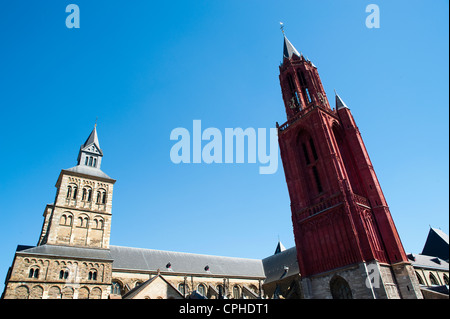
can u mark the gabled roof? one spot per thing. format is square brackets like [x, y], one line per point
[436, 244]
[136, 290]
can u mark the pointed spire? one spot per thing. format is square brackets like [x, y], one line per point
[90, 153]
[279, 248]
[289, 50]
[93, 138]
[339, 103]
[90, 158]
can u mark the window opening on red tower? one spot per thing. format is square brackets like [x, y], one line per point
[308, 96]
[317, 178]
[305, 152]
[313, 149]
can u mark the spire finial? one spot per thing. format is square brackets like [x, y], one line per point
[95, 125]
[282, 27]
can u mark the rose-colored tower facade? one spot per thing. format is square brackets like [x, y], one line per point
[347, 242]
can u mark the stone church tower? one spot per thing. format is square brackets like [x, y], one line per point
[81, 214]
[72, 257]
[347, 243]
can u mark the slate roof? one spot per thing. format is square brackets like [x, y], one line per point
[128, 258]
[281, 265]
[65, 251]
[430, 262]
[436, 244]
[280, 248]
[88, 170]
[288, 49]
[92, 139]
[339, 103]
[133, 292]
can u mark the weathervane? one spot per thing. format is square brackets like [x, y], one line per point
[282, 27]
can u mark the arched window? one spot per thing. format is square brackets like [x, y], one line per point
[92, 275]
[236, 292]
[116, 288]
[89, 195]
[34, 272]
[69, 192]
[86, 160]
[83, 221]
[83, 195]
[104, 197]
[66, 219]
[445, 279]
[182, 289]
[340, 288]
[64, 274]
[433, 280]
[220, 290]
[99, 197]
[90, 161]
[75, 191]
[201, 289]
[95, 162]
[419, 278]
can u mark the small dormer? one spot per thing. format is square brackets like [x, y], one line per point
[436, 260]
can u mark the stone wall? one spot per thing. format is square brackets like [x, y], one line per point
[128, 280]
[81, 215]
[57, 278]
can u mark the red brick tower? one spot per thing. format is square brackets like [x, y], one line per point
[347, 243]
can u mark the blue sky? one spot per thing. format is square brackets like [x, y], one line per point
[146, 67]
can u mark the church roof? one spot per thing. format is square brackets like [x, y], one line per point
[65, 251]
[128, 258]
[436, 244]
[430, 262]
[281, 265]
[88, 170]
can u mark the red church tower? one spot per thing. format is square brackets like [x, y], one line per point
[347, 243]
